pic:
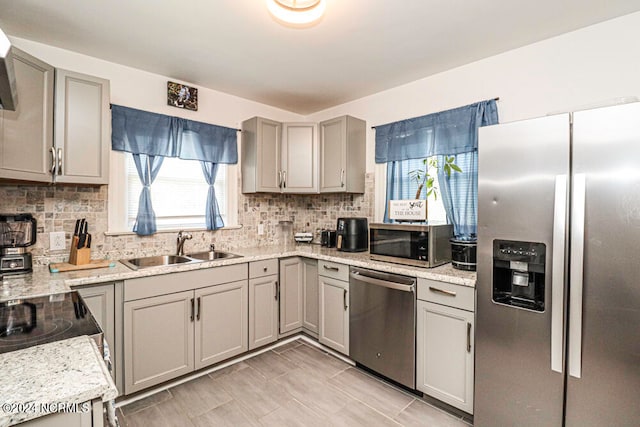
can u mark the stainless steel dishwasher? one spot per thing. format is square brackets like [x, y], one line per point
[382, 324]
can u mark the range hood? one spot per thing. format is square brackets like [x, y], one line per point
[8, 93]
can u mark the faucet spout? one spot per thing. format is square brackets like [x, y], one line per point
[182, 237]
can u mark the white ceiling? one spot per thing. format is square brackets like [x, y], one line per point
[359, 48]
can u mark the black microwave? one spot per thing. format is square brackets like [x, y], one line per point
[412, 244]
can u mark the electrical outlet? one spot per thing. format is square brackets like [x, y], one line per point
[260, 229]
[57, 241]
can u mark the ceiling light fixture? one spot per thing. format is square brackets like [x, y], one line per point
[297, 12]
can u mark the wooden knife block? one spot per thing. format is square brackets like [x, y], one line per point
[79, 256]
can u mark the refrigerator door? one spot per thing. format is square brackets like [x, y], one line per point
[604, 348]
[522, 167]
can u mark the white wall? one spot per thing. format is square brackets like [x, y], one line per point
[139, 89]
[563, 73]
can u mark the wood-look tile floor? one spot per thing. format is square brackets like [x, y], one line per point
[292, 385]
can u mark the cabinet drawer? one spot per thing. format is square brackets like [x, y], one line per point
[333, 270]
[447, 294]
[263, 268]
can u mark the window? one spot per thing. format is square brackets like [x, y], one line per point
[178, 194]
[405, 187]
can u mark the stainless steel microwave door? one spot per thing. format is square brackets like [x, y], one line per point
[518, 170]
[604, 348]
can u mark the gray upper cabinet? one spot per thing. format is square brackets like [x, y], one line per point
[279, 158]
[82, 128]
[342, 155]
[26, 135]
[260, 162]
[300, 158]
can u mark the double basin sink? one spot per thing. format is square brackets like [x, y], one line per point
[166, 260]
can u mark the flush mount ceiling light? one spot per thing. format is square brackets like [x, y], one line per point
[297, 12]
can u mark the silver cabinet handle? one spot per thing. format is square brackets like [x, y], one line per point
[284, 179]
[341, 177]
[557, 273]
[275, 294]
[279, 179]
[442, 291]
[344, 299]
[198, 310]
[576, 273]
[468, 337]
[326, 267]
[59, 161]
[192, 309]
[54, 161]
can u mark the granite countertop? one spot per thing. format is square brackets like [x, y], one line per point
[42, 282]
[62, 372]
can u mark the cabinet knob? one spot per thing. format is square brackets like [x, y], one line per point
[264, 269]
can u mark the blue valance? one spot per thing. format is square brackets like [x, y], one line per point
[445, 133]
[142, 132]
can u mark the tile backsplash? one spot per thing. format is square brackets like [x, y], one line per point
[57, 207]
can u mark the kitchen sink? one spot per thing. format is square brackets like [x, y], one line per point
[156, 261]
[212, 255]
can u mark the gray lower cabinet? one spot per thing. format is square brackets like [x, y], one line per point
[334, 313]
[176, 323]
[310, 312]
[158, 339]
[82, 128]
[106, 308]
[291, 294]
[444, 343]
[221, 322]
[263, 311]
[342, 155]
[26, 135]
[90, 415]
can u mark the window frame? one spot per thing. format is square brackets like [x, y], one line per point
[117, 198]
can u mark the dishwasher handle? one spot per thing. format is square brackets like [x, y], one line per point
[357, 275]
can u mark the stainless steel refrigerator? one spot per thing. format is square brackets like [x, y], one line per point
[558, 291]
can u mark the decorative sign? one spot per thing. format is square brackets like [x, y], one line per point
[182, 96]
[408, 210]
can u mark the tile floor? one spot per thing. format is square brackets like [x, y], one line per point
[292, 385]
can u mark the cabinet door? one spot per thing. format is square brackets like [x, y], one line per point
[82, 128]
[26, 135]
[334, 314]
[263, 311]
[221, 322]
[444, 354]
[291, 294]
[101, 303]
[310, 314]
[333, 158]
[269, 172]
[299, 158]
[158, 339]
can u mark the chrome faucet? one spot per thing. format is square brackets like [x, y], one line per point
[182, 237]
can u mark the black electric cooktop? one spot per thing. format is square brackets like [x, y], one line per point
[40, 320]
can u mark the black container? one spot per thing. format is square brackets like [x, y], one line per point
[352, 234]
[328, 238]
[463, 254]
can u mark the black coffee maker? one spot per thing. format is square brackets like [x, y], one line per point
[17, 233]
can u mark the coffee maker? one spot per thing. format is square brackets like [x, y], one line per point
[17, 233]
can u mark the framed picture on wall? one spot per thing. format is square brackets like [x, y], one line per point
[182, 96]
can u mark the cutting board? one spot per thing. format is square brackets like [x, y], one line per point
[96, 263]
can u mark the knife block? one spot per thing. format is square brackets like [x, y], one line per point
[79, 256]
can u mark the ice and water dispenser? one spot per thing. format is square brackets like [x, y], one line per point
[518, 274]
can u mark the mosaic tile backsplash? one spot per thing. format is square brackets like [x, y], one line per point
[57, 207]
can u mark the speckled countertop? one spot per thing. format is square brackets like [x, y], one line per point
[61, 372]
[42, 282]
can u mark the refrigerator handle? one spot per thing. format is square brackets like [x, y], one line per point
[558, 273]
[576, 275]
